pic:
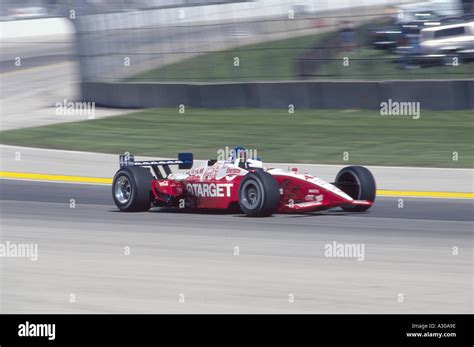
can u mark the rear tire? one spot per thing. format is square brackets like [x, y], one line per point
[259, 194]
[131, 189]
[359, 183]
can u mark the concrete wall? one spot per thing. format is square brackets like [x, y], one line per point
[34, 28]
[432, 94]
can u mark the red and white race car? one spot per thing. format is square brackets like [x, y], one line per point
[237, 184]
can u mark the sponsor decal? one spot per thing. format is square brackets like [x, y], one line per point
[233, 171]
[330, 187]
[317, 198]
[196, 172]
[210, 173]
[209, 190]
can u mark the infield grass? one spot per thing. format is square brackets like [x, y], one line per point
[307, 136]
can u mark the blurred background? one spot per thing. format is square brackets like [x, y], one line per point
[198, 40]
[216, 58]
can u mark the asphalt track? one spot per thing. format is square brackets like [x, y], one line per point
[408, 251]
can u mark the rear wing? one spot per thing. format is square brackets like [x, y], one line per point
[184, 162]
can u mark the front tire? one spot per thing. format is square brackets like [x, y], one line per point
[259, 194]
[131, 189]
[359, 183]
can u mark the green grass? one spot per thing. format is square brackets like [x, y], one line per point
[311, 136]
[267, 61]
[276, 61]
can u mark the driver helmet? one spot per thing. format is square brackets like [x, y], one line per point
[239, 153]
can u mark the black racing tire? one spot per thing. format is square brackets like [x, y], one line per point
[259, 194]
[131, 189]
[359, 183]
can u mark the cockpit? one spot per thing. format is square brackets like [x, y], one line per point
[240, 157]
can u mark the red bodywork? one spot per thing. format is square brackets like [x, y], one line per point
[217, 187]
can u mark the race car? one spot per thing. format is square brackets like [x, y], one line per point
[238, 183]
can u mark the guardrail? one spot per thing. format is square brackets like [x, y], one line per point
[431, 94]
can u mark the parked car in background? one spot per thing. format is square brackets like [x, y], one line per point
[385, 38]
[399, 35]
[446, 42]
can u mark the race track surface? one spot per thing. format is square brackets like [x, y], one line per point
[407, 251]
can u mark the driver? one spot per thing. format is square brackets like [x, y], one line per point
[238, 153]
[245, 162]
